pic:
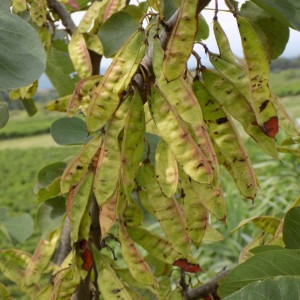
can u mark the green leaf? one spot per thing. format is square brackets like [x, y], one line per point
[291, 228]
[288, 8]
[69, 131]
[5, 4]
[279, 288]
[18, 228]
[47, 174]
[115, 31]
[266, 265]
[22, 55]
[203, 29]
[50, 215]
[60, 70]
[4, 294]
[264, 248]
[4, 115]
[266, 24]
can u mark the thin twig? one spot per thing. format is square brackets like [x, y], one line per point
[63, 14]
[206, 289]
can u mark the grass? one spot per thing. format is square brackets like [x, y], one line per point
[286, 83]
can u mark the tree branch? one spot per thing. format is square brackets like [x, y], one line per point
[64, 16]
[205, 289]
[164, 37]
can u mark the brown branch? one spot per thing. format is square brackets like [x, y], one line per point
[63, 14]
[209, 288]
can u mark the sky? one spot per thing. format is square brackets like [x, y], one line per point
[229, 25]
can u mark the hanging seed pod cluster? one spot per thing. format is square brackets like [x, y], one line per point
[157, 199]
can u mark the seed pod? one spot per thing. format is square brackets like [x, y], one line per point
[166, 210]
[38, 12]
[178, 138]
[233, 71]
[106, 96]
[178, 93]
[181, 40]
[133, 143]
[82, 88]
[285, 121]
[112, 7]
[108, 214]
[212, 198]
[166, 169]
[128, 211]
[79, 55]
[137, 266]
[222, 42]
[78, 202]
[59, 104]
[110, 285]
[79, 165]
[109, 162]
[95, 12]
[259, 69]
[154, 244]
[195, 212]
[230, 148]
[238, 107]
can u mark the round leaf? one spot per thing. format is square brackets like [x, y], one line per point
[291, 228]
[279, 288]
[68, 131]
[19, 228]
[22, 55]
[50, 172]
[115, 31]
[50, 215]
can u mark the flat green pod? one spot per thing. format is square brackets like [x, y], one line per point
[166, 169]
[285, 120]
[167, 210]
[110, 285]
[203, 140]
[41, 258]
[107, 172]
[132, 143]
[79, 55]
[174, 132]
[137, 266]
[238, 107]
[222, 42]
[195, 212]
[212, 198]
[38, 12]
[80, 164]
[156, 245]
[82, 88]
[81, 196]
[228, 143]
[181, 40]
[178, 93]
[128, 210]
[114, 6]
[94, 12]
[106, 96]
[233, 71]
[59, 104]
[259, 69]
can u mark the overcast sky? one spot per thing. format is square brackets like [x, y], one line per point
[229, 24]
